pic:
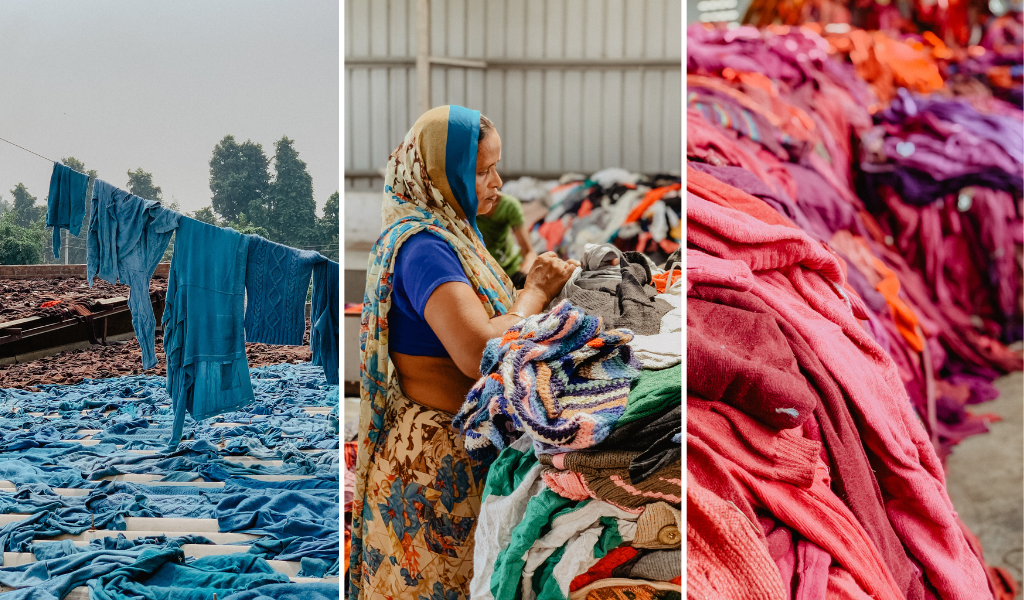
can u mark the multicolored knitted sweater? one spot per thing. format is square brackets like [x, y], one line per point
[556, 376]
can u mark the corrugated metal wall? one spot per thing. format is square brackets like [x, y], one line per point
[572, 85]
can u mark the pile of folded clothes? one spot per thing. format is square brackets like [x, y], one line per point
[578, 420]
[835, 338]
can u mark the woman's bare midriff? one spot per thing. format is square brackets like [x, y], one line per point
[434, 382]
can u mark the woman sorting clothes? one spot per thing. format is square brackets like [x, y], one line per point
[434, 297]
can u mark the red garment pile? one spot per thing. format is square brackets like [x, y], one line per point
[828, 368]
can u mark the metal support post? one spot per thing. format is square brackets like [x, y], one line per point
[423, 55]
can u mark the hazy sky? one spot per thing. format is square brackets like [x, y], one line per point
[123, 84]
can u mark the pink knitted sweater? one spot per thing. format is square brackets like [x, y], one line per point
[724, 556]
[803, 281]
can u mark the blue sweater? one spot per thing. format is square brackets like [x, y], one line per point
[207, 371]
[276, 281]
[127, 239]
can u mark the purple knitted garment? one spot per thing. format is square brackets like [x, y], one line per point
[556, 376]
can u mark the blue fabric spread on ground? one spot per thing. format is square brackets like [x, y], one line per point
[207, 371]
[127, 239]
[276, 282]
[39, 451]
[291, 591]
[304, 525]
[323, 335]
[65, 204]
[160, 574]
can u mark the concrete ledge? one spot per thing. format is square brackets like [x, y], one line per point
[85, 345]
[60, 271]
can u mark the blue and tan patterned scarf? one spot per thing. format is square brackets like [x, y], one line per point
[430, 186]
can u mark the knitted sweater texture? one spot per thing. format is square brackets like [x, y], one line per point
[804, 282]
[556, 376]
[724, 557]
[276, 280]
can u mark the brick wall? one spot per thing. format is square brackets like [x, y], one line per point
[58, 271]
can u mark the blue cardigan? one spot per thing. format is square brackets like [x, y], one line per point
[207, 371]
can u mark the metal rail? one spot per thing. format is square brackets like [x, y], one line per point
[10, 334]
[506, 64]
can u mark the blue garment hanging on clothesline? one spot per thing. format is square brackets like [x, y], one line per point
[127, 239]
[65, 204]
[323, 335]
[276, 282]
[207, 370]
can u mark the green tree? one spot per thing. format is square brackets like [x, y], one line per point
[74, 163]
[76, 247]
[243, 225]
[4, 206]
[140, 183]
[21, 245]
[205, 215]
[26, 213]
[239, 177]
[290, 206]
[327, 228]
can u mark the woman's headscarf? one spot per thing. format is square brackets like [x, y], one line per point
[430, 186]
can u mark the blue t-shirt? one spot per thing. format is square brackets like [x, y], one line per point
[424, 262]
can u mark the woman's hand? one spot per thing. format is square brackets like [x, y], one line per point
[548, 275]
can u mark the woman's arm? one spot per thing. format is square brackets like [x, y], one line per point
[529, 256]
[459, 320]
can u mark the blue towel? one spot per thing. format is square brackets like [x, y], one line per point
[323, 314]
[276, 281]
[65, 206]
[207, 371]
[127, 239]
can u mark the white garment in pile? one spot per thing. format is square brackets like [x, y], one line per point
[665, 349]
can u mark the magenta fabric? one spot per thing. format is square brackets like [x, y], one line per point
[832, 424]
[779, 200]
[803, 566]
[812, 571]
[804, 282]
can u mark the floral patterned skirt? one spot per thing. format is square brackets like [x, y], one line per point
[422, 503]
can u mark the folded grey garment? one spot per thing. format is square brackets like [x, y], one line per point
[633, 305]
[658, 565]
[596, 273]
[601, 268]
[599, 304]
[643, 260]
[638, 310]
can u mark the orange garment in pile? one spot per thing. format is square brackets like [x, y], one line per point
[885, 281]
[887, 64]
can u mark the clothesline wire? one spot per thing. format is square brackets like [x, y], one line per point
[27, 150]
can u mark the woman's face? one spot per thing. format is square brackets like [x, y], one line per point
[487, 181]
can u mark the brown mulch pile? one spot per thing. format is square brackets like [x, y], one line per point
[21, 298]
[123, 358]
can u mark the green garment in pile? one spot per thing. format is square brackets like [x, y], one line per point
[654, 393]
[498, 236]
[530, 541]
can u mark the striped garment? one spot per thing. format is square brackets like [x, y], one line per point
[556, 376]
